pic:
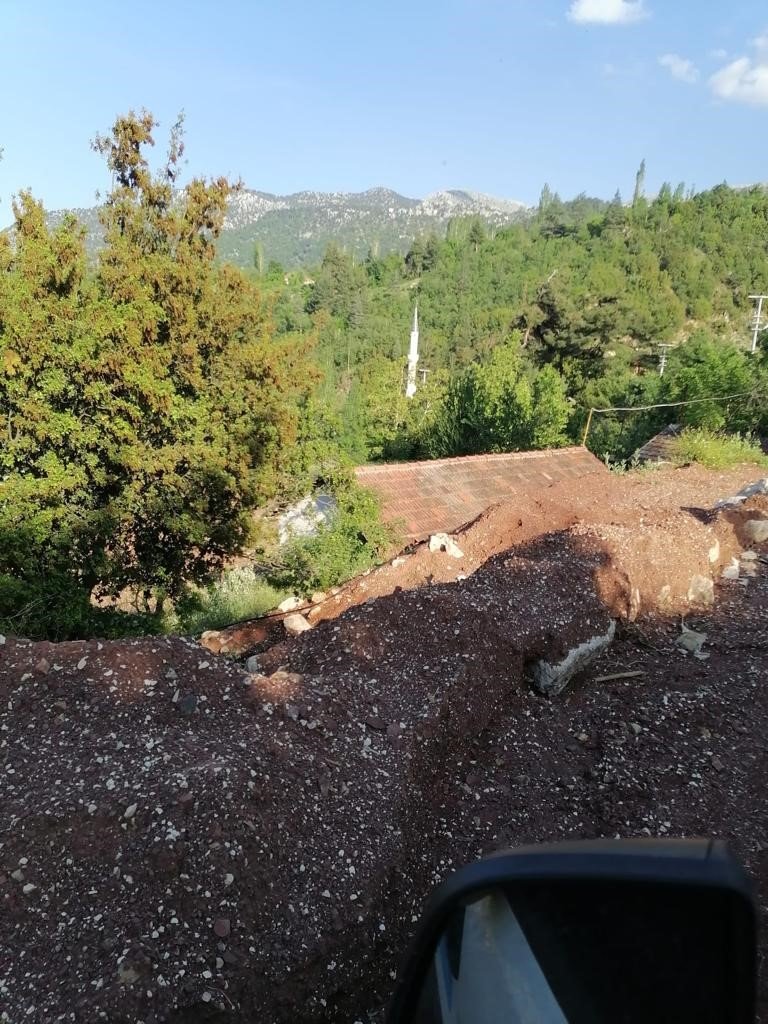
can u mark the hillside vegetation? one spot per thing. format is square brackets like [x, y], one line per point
[152, 401]
[525, 329]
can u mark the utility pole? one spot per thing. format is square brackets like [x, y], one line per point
[663, 354]
[758, 319]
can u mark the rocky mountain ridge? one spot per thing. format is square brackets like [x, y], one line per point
[295, 229]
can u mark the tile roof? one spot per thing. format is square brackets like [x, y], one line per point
[444, 494]
[658, 449]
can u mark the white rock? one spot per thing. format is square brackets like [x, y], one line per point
[714, 552]
[757, 530]
[749, 556]
[131, 810]
[296, 624]
[290, 604]
[443, 542]
[2, 639]
[701, 592]
[551, 679]
[731, 572]
[253, 665]
[691, 641]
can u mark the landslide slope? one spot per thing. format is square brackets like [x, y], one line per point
[180, 841]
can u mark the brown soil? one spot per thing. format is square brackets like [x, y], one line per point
[644, 518]
[180, 842]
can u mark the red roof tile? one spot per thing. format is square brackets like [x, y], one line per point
[441, 495]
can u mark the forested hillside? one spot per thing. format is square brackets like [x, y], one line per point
[154, 400]
[526, 328]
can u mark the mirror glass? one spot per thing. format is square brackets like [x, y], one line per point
[587, 952]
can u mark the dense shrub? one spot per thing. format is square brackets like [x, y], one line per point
[354, 540]
[716, 451]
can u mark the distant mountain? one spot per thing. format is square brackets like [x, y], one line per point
[295, 229]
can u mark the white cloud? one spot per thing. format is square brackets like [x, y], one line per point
[718, 54]
[742, 81]
[681, 68]
[760, 43]
[607, 12]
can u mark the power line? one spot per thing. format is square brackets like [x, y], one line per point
[666, 405]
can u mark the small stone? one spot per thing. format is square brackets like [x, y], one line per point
[749, 556]
[295, 624]
[292, 712]
[2, 640]
[701, 592]
[28, 888]
[17, 875]
[636, 728]
[691, 641]
[171, 674]
[127, 975]
[318, 597]
[253, 665]
[43, 667]
[82, 663]
[290, 604]
[130, 810]
[731, 572]
[188, 704]
[221, 927]
[717, 764]
[374, 722]
[714, 552]
[229, 879]
[756, 530]
[206, 997]
[446, 543]
[219, 963]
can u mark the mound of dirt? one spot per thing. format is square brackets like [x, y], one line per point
[181, 841]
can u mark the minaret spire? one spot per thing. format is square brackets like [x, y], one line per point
[413, 356]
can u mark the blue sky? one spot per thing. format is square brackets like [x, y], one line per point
[481, 94]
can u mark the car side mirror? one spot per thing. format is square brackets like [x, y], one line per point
[597, 932]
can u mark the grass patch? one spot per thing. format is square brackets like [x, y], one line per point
[238, 595]
[716, 450]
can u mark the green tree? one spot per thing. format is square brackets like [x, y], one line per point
[146, 406]
[500, 405]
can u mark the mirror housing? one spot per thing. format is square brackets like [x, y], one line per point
[620, 931]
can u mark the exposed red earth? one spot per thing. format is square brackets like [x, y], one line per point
[183, 841]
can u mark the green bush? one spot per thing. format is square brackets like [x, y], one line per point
[51, 609]
[354, 540]
[716, 450]
[239, 595]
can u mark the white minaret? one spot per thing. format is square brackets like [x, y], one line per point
[413, 356]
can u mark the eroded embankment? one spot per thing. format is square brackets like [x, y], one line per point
[178, 837]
